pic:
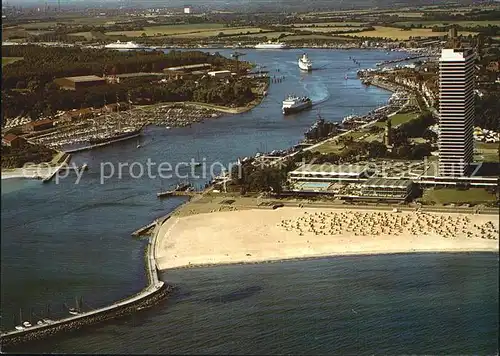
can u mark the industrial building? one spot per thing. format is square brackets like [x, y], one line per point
[81, 82]
[456, 112]
[330, 173]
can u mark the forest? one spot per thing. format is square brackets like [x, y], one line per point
[28, 87]
[41, 65]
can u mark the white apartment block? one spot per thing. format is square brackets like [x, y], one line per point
[456, 112]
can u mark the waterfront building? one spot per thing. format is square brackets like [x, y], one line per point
[456, 112]
[379, 189]
[329, 173]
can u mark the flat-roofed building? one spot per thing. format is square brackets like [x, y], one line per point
[220, 73]
[84, 81]
[379, 189]
[188, 68]
[39, 125]
[456, 112]
[330, 173]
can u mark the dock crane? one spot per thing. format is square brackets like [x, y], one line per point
[236, 55]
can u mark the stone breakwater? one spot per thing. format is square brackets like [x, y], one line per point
[153, 293]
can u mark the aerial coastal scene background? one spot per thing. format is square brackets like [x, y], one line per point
[230, 178]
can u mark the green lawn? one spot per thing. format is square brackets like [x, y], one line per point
[334, 146]
[399, 119]
[455, 196]
[8, 60]
[486, 152]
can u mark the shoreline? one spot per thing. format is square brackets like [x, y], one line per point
[328, 256]
[256, 236]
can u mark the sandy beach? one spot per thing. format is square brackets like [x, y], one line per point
[259, 235]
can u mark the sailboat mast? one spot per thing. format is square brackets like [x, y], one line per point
[21, 315]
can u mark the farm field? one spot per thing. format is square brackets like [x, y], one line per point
[405, 14]
[323, 24]
[398, 34]
[97, 20]
[273, 34]
[330, 29]
[169, 30]
[226, 31]
[311, 37]
[443, 23]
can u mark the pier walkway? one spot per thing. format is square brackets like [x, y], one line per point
[152, 293]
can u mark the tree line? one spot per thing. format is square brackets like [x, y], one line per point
[139, 90]
[42, 65]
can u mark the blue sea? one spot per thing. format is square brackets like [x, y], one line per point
[66, 240]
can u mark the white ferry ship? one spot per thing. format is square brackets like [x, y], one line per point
[305, 63]
[271, 45]
[293, 104]
[123, 45]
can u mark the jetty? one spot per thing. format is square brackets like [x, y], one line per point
[153, 293]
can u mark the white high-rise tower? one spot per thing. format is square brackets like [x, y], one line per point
[456, 112]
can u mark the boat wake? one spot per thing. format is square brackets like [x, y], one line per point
[324, 95]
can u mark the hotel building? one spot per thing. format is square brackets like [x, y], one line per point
[456, 112]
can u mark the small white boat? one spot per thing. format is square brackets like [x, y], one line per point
[27, 324]
[18, 327]
[305, 63]
[138, 146]
[167, 127]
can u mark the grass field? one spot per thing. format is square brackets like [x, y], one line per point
[486, 152]
[455, 196]
[334, 146]
[443, 23]
[398, 34]
[8, 60]
[399, 119]
[170, 30]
